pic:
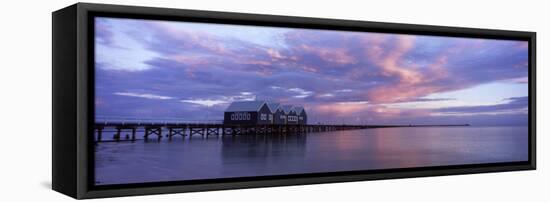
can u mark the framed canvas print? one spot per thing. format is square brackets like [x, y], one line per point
[154, 100]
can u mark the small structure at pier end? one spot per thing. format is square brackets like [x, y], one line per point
[263, 113]
[247, 113]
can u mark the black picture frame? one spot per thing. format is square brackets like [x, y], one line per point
[73, 106]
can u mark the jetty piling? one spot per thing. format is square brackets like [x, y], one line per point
[191, 129]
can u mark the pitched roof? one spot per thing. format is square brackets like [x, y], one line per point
[287, 108]
[299, 109]
[245, 106]
[273, 106]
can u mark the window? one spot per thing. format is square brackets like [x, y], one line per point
[271, 117]
[263, 117]
[240, 116]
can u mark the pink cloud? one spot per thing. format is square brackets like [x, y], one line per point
[332, 55]
[191, 60]
[191, 40]
[411, 82]
[364, 111]
[340, 109]
[275, 54]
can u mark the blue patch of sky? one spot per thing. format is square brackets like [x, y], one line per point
[261, 35]
[495, 92]
[125, 53]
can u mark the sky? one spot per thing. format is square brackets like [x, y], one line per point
[149, 69]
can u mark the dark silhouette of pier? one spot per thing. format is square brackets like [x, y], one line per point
[157, 129]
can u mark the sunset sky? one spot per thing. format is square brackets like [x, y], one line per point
[192, 71]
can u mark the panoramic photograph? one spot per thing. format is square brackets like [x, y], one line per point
[180, 101]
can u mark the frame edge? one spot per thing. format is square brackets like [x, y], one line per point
[83, 192]
[64, 145]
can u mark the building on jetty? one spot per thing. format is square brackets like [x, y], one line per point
[302, 116]
[264, 113]
[247, 113]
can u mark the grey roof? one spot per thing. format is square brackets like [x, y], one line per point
[299, 109]
[287, 108]
[273, 107]
[245, 106]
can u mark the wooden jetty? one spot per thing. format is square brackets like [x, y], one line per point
[207, 129]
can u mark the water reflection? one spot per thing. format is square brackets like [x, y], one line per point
[262, 153]
[256, 155]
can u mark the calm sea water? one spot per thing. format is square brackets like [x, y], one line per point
[240, 156]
